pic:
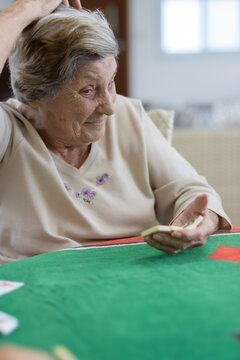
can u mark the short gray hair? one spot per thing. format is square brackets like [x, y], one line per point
[49, 52]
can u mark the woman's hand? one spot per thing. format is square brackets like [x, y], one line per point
[185, 239]
[43, 8]
[48, 6]
[19, 15]
[75, 3]
[19, 353]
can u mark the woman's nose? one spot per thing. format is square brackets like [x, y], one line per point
[107, 105]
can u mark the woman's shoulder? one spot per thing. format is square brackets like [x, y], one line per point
[12, 118]
[5, 115]
[127, 120]
[10, 108]
[130, 112]
[10, 104]
[11, 111]
[128, 104]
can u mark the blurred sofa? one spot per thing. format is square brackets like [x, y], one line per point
[215, 154]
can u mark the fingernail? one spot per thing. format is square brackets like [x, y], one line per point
[157, 237]
[176, 234]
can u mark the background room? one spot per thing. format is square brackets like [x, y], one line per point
[184, 55]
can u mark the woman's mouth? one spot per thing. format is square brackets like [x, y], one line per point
[96, 122]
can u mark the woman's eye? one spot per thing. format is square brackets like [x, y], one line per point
[88, 91]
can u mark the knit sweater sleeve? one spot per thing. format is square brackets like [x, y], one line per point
[175, 183]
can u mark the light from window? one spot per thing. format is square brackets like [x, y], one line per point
[181, 26]
[223, 25]
[194, 26]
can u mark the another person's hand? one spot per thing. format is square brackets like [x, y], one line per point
[18, 353]
[180, 240]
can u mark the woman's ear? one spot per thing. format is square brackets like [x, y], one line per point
[31, 113]
[34, 104]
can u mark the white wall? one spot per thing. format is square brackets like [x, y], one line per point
[162, 79]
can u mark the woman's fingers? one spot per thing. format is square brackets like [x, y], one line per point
[173, 246]
[158, 245]
[177, 241]
[76, 3]
[182, 241]
[65, 2]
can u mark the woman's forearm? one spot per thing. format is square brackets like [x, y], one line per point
[16, 17]
[12, 22]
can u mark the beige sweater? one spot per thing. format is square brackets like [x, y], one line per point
[131, 180]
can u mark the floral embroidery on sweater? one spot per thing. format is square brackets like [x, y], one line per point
[100, 180]
[87, 195]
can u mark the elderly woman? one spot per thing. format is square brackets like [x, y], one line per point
[78, 163]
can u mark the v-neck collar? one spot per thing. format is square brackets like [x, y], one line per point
[66, 167]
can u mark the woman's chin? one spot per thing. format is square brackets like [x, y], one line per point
[92, 136]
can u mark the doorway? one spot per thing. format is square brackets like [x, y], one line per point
[116, 13]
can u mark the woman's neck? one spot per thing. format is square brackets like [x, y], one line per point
[73, 155]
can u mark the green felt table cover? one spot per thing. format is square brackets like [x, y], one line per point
[128, 302]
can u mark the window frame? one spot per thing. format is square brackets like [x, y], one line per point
[205, 50]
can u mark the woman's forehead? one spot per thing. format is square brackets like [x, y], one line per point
[98, 70]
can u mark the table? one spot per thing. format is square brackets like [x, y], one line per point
[129, 302]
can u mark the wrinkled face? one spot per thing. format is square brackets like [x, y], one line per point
[78, 114]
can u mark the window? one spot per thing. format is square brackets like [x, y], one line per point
[195, 26]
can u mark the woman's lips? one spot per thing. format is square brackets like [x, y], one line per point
[96, 122]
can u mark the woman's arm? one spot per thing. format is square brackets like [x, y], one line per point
[20, 14]
[181, 195]
[12, 22]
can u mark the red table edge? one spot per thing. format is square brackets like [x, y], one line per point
[139, 239]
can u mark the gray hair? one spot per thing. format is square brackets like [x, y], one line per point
[49, 52]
